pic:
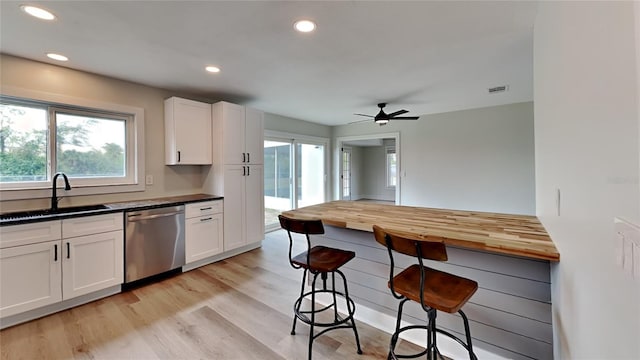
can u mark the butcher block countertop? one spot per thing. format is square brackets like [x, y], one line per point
[519, 235]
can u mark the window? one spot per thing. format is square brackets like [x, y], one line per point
[392, 166]
[92, 147]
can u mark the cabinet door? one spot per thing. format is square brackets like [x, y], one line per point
[30, 277]
[254, 136]
[203, 237]
[234, 198]
[188, 132]
[91, 263]
[233, 133]
[254, 204]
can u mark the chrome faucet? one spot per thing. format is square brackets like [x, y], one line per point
[54, 196]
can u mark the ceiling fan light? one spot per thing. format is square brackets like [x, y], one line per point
[38, 12]
[381, 121]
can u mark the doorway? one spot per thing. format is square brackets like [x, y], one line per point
[295, 174]
[368, 167]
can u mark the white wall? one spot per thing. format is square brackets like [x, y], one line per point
[586, 141]
[480, 159]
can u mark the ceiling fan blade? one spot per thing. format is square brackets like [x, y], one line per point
[359, 121]
[399, 112]
[364, 115]
[405, 118]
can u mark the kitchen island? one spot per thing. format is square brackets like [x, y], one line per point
[508, 255]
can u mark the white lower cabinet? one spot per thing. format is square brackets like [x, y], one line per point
[41, 266]
[30, 277]
[93, 254]
[91, 263]
[203, 230]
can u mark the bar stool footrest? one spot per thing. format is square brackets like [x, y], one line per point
[339, 320]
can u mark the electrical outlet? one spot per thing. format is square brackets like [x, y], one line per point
[148, 180]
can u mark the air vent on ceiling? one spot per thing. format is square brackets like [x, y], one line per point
[498, 89]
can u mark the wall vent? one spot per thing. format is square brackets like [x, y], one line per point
[498, 89]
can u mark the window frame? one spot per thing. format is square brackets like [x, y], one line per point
[387, 151]
[134, 133]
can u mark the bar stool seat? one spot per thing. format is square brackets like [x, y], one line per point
[320, 261]
[433, 289]
[442, 291]
[323, 259]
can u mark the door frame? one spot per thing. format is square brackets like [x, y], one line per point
[337, 194]
[294, 139]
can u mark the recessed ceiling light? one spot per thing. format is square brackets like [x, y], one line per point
[212, 69]
[304, 26]
[38, 12]
[57, 57]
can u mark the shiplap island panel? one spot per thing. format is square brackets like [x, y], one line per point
[508, 255]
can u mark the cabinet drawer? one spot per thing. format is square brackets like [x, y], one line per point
[25, 234]
[203, 208]
[92, 225]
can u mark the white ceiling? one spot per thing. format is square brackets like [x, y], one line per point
[426, 57]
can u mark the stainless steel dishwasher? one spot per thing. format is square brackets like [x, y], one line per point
[154, 242]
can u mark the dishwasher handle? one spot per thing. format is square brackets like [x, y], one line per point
[140, 217]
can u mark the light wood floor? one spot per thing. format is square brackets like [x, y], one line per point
[239, 308]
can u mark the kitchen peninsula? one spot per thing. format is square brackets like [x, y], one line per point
[508, 255]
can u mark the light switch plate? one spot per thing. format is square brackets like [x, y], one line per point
[627, 246]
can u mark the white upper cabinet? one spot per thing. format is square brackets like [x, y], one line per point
[187, 127]
[238, 132]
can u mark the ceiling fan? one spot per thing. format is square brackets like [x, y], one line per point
[383, 118]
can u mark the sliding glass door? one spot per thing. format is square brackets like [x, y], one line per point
[278, 184]
[284, 158]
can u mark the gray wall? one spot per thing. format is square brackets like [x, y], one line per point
[586, 133]
[480, 159]
[168, 180]
[280, 123]
[374, 184]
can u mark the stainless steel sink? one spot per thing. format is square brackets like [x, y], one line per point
[30, 214]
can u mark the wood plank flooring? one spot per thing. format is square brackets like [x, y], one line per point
[239, 308]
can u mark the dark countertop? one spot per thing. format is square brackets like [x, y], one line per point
[112, 208]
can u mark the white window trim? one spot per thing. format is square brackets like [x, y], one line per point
[138, 149]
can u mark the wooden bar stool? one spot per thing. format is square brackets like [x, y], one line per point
[433, 289]
[319, 261]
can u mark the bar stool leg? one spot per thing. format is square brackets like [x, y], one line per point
[296, 309]
[349, 309]
[313, 310]
[394, 337]
[472, 356]
[335, 301]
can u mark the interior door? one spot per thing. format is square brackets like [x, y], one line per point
[345, 176]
